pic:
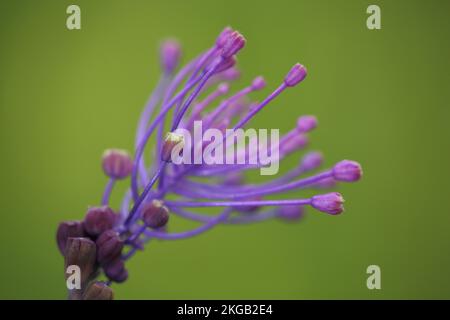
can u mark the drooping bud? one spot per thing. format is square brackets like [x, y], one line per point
[311, 161]
[291, 212]
[173, 141]
[155, 214]
[331, 203]
[98, 220]
[295, 75]
[98, 290]
[306, 123]
[235, 42]
[116, 271]
[258, 83]
[170, 55]
[109, 246]
[80, 252]
[68, 229]
[117, 164]
[347, 170]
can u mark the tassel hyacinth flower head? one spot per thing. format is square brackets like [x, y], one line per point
[198, 92]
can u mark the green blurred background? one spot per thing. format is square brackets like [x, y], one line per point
[381, 98]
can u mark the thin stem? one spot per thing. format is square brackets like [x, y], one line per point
[145, 118]
[192, 204]
[141, 198]
[254, 192]
[107, 192]
[241, 219]
[158, 119]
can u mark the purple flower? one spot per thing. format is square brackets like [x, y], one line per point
[347, 170]
[160, 187]
[331, 203]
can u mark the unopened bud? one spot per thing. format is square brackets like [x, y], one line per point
[155, 214]
[68, 229]
[306, 123]
[235, 42]
[81, 252]
[347, 170]
[258, 83]
[295, 75]
[172, 141]
[331, 203]
[291, 212]
[98, 290]
[109, 246]
[116, 271]
[98, 220]
[170, 55]
[117, 164]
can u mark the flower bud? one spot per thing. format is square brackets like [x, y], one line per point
[98, 290]
[291, 212]
[295, 75]
[172, 141]
[331, 203]
[116, 271]
[80, 252]
[223, 37]
[311, 161]
[68, 229]
[306, 123]
[258, 83]
[170, 55]
[347, 170]
[235, 42]
[98, 220]
[155, 214]
[109, 246]
[117, 164]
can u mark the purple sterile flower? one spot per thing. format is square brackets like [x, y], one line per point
[306, 123]
[347, 170]
[296, 75]
[160, 187]
[235, 42]
[331, 203]
[311, 161]
[170, 55]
